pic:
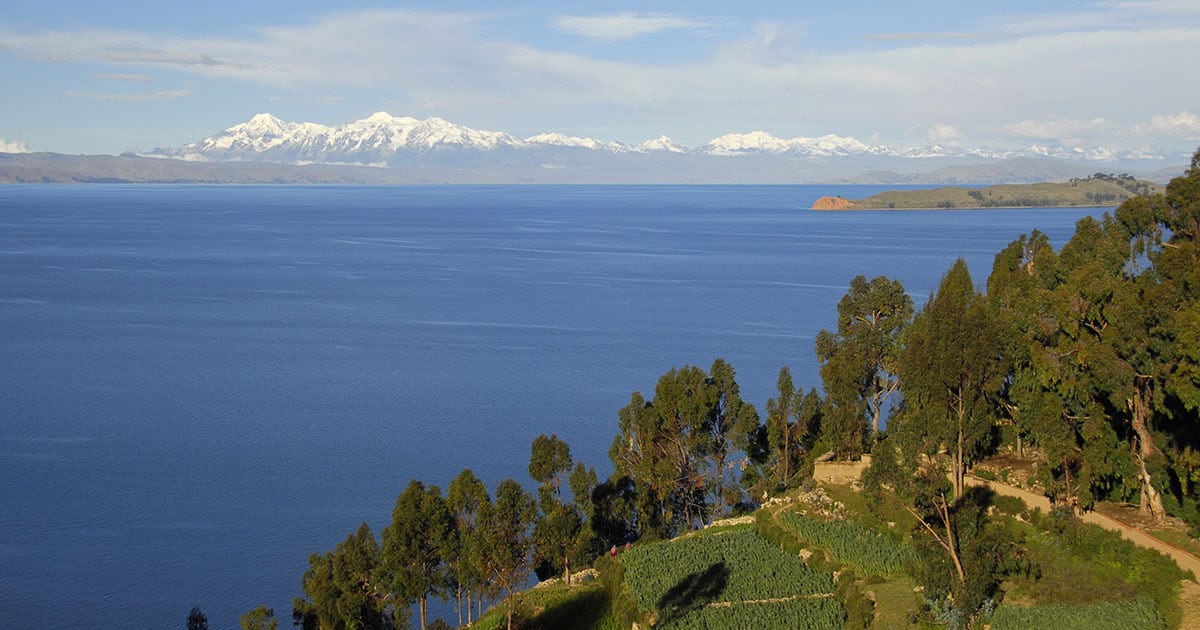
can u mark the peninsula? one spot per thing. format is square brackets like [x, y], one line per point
[1096, 190]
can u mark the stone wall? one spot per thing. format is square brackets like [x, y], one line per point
[840, 472]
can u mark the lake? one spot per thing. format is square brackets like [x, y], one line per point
[203, 385]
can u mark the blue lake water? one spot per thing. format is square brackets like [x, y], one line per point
[200, 386]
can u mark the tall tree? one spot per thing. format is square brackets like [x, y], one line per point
[1050, 396]
[637, 471]
[684, 400]
[415, 547]
[782, 428]
[261, 618]
[662, 448]
[858, 362]
[561, 535]
[549, 464]
[465, 497]
[197, 620]
[507, 534]
[341, 588]
[951, 370]
[733, 425]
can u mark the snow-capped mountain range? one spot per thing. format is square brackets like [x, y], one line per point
[385, 140]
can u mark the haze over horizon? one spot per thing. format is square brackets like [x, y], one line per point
[130, 75]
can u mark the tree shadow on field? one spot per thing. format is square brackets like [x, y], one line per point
[584, 612]
[694, 591]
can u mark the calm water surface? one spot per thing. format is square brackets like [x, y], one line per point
[200, 386]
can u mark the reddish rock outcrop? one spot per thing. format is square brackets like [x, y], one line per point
[833, 203]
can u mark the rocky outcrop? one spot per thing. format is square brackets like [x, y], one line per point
[833, 203]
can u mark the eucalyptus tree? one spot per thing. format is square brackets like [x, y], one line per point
[782, 427]
[733, 427]
[341, 587]
[416, 546]
[858, 362]
[794, 419]
[465, 497]
[661, 448]
[260, 618]
[684, 400]
[507, 535]
[641, 479]
[197, 620]
[563, 533]
[1049, 395]
[549, 464]
[952, 372]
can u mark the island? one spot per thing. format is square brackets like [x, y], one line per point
[1100, 189]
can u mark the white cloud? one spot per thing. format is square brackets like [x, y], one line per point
[126, 78]
[323, 100]
[1183, 124]
[624, 25]
[943, 133]
[164, 95]
[1160, 7]
[771, 76]
[1058, 128]
[13, 146]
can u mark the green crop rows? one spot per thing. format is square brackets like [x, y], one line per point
[866, 551]
[801, 614]
[735, 566]
[1135, 614]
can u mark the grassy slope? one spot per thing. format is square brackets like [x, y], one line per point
[1083, 573]
[1092, 192]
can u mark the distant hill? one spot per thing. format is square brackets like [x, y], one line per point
[1096, 190]
[1020, 170]
[556, 165]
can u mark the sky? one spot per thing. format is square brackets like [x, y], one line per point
[110, 77]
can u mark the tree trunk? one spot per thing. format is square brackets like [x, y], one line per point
[787, 439]
[959, 465]
[511, 605]
[458, 601]
[469, 604]
[423, 603]
[951, 545]
[567, 566]
[1151, 502]
[720, 482]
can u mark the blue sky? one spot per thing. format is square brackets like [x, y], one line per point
[88, 77]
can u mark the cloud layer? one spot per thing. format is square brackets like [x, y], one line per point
[1113, 73]
[624, 25]
[12, 146]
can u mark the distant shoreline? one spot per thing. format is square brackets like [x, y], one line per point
[1096, 191]
[1107, 205]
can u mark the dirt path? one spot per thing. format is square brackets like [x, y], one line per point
[1189, 595]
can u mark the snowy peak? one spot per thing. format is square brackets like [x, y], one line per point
[661, 143]
[763, 142]
[563, 140]
[384, 139]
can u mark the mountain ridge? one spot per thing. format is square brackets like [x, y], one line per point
[382, 139]
[571, 165]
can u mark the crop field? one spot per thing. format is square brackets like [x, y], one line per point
[866, 551]
[727, 580]
[1135, 614]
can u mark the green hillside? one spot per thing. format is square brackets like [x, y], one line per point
[835, 557]
[1097, 190]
